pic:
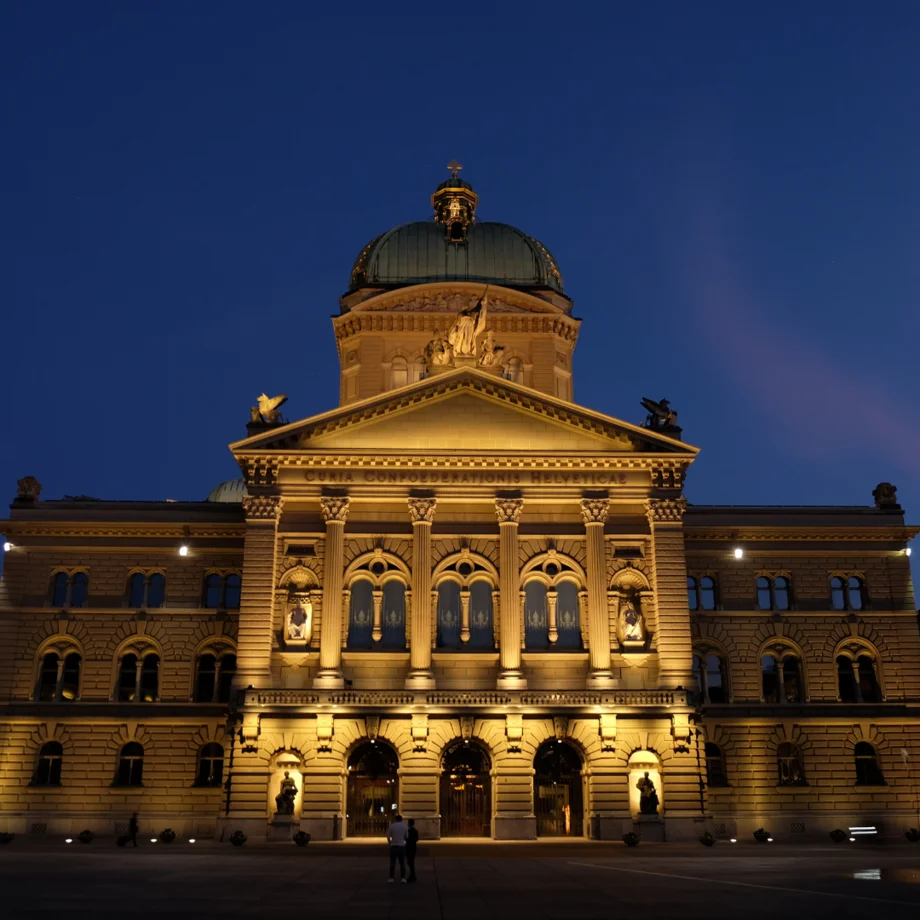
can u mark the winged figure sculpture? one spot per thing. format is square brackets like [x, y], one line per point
[660, 414]
[268, 408]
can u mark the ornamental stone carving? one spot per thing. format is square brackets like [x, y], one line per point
[508, 510]
[262, 507]
[28, 489]
[422, 510]
[334, 508]
[665, 510]
[594, 510]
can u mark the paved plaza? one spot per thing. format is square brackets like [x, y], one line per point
[459, 881]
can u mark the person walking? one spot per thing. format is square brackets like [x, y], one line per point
[396, 838]
[132, 829]
[411, 844]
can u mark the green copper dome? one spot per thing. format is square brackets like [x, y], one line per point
[455, 247]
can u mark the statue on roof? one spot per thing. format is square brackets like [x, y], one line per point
[267, 410]
[438, 352]
[28, 489]
[660, 414]
[491, 353]
[467, 328]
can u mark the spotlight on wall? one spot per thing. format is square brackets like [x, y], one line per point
[8, 546]
[183, 550]
[739, 552]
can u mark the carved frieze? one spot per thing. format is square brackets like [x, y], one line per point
[665, 510]
[262, 507]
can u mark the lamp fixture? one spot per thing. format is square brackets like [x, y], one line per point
[183, 550]
[8, 546]
[907, 549]
[739, 552]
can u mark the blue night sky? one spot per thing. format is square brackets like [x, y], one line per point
[731, 191]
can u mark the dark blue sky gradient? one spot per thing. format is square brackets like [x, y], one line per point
[731, 191]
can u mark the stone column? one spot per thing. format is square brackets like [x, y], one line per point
[421, 513]
[335, 511]
[508, 511]
[594, 511]
[253, 663]
[669, 581]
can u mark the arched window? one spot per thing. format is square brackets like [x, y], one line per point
[869, 687]
[48, 678]
[48, 765]
[227, 665]
[536, 622]
[146, 591]
[156, 590]
[399, 372]
[222, 592]
[715, 765]
[393, 615]
[514, 370]
[210, 765]
[361, 614]
[449, 614]
[838, 593]
[137, 589]
[774, 593]
[781, 679]
[60, 588]
[79, 587]
[789, 765]
[127, 679]
[70, 678]
[847, 685]
[206, 679]
[568, 621]
[701, 592]
[130, 765]
[711, 673]
[856, 592]
[482, 633]
[419, 370]
[138, 680]
[868, 771]
[150, 679]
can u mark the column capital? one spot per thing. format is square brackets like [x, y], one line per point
[262, 507]
[508, 510]
[421, 510]
[594, 510]
[334, 508]
[665, 510]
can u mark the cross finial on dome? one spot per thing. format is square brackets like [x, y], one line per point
[454, 168]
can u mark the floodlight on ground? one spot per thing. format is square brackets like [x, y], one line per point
[191, 839]
[733, 840]
[769, 840]
[153, 839]
[183, 550]
[852, 840]
[739, 552]
[68, 840]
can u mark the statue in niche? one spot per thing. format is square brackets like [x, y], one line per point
[284, 800]
[439, 352]
[632, 623]
[467, 327]
[300, 619]
[491, 353]
[648, 797]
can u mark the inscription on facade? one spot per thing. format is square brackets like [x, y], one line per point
[470, 477]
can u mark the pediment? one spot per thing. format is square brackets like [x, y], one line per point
[465, 410]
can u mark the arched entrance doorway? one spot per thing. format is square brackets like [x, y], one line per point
[557, 795]
[373, 789]
[466, 792]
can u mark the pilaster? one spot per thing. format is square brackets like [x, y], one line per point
[669, 581]
[508, 511]
[421, 513]
[594, 512]
[335, 511]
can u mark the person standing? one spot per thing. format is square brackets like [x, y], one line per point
[396, 838]
[411, 844]
[132, 829]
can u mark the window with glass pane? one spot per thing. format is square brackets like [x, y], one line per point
[213, 591]
[792, 679]
[361, 614]
[70, 677]
[856, 593]
[707, 593]
[838, 594]
[789, 765]
[715, 765]
[449, 614]
[868, 771]
[225, 682]
[79, 586]
[60, 586]
[48, 766]
[536, 621]
[210, 765]
[156, 590]
[233, 591]
[393, 615]
[764, 593]
[699, 677]
[693, 600]
[127, 679]
[781, 592]
[568, 622]
[715, 679]
[130, 765]
[769, 679]
[47, 679]
[205, 680]
[869, 687]
[136, 585]
[846, 680]
[481, 624]
[150, 678]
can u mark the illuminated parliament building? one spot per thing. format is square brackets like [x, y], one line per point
[462, 595]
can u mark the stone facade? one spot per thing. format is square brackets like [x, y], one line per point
[463, 596]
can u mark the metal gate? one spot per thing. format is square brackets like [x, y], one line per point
[466, 792]
[373, 790]
[557, 796]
